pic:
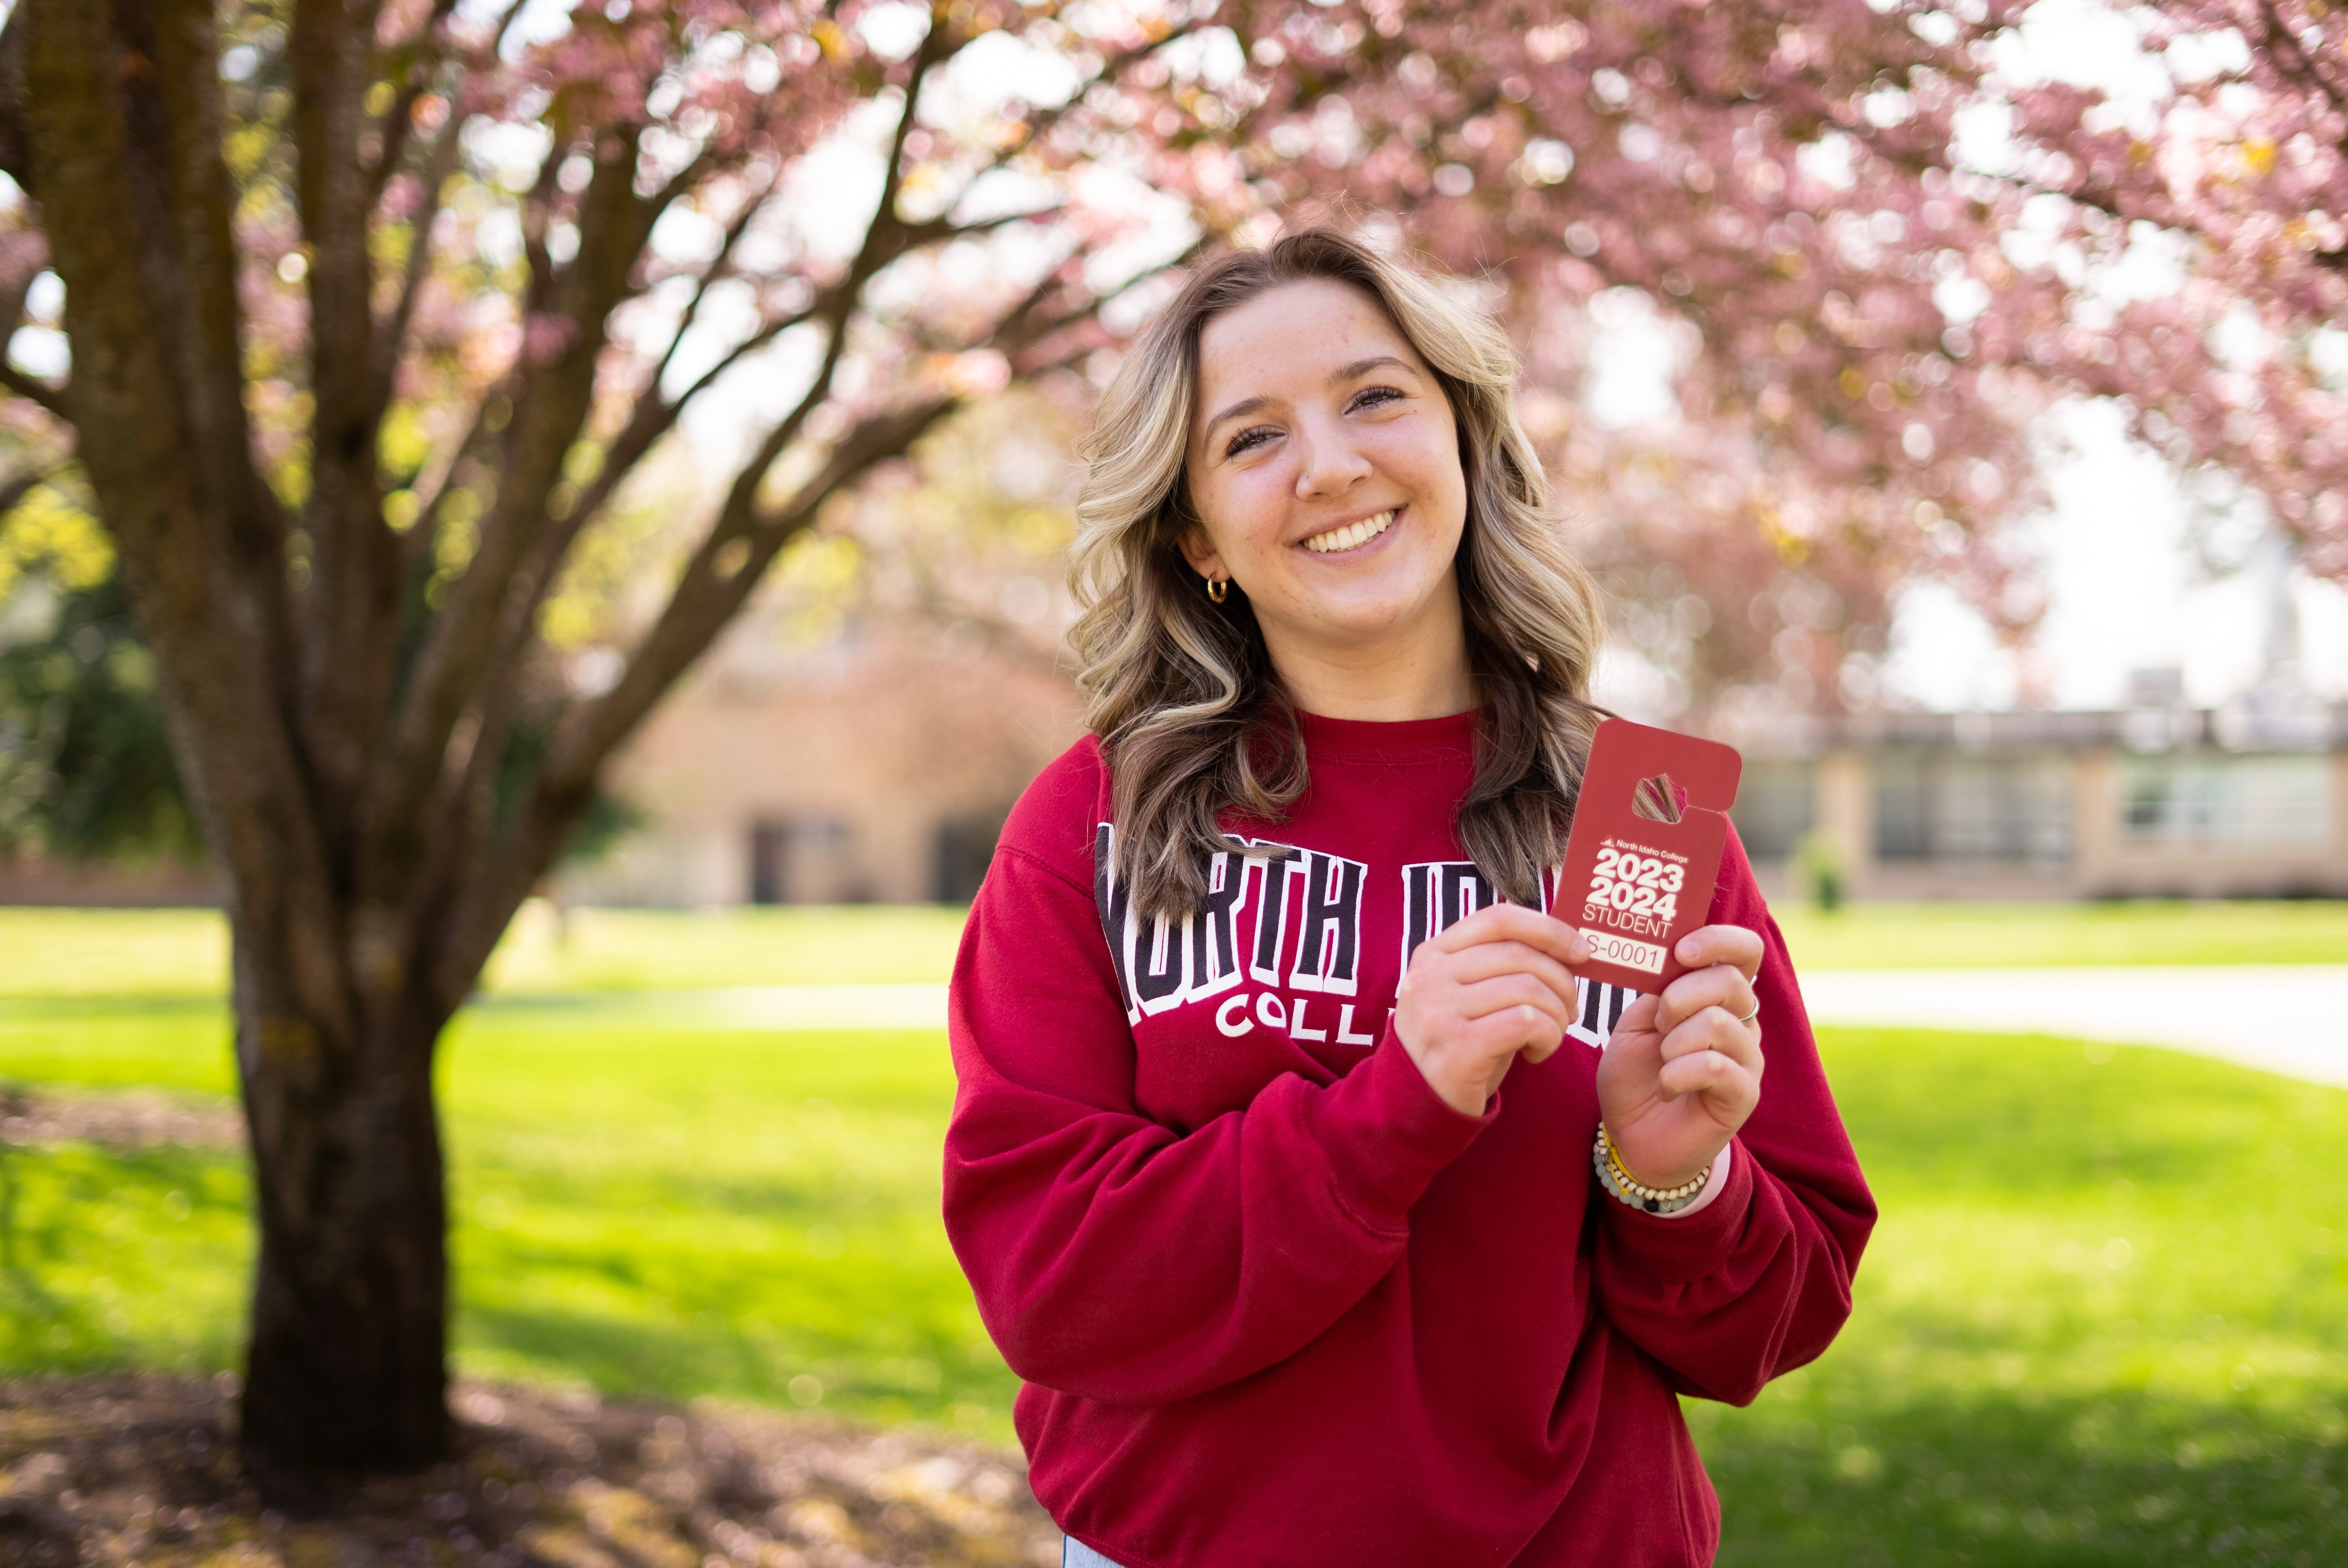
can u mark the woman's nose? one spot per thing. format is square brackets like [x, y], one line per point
[1331, 464]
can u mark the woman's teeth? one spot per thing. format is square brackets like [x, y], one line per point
[1351, 535]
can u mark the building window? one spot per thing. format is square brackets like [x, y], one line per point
[800, 860]
[965, 847]
[769, 861]
[1942, 805]
[2219, 799]
[1776, 803]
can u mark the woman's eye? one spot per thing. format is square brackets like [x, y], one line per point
[1371, 397]
[1246, 440]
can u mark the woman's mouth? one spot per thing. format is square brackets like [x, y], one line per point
[1352, 536]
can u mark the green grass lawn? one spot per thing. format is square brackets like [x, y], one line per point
[155, 953]
[668, 1212]
[2105, 1319]
[184, 952]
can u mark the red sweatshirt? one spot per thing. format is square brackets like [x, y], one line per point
[1274, 1301]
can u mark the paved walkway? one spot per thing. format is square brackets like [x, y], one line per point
[2290, 1018]
[761, 1007]
[2285, 1017]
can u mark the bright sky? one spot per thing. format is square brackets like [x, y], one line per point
[2129, 592]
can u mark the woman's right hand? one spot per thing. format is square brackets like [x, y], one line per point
[1480, 993]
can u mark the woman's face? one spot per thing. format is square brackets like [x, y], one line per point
[1324, 469]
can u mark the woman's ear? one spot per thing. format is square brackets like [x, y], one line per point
[1201, 552]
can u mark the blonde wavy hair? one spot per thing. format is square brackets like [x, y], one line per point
[1192, 717]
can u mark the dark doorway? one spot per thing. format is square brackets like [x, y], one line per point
[769, 861]
[965, 845]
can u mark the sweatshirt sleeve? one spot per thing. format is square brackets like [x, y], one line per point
[1122, 1260]
[1758, 1282]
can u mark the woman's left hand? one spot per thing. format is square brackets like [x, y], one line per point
[1681, 1072]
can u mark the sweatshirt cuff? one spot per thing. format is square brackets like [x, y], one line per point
[1686, 1246]
[1388, 1132]
[1715, 1178]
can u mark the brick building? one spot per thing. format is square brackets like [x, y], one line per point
[2151, 801]
[875, 768]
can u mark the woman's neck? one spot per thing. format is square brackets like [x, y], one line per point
[1417, 673]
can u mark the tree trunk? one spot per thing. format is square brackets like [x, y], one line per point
[358, 816]
[335, 1036]
[346, 1368]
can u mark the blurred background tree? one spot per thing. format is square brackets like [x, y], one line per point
[85, 768]
[2204, 216]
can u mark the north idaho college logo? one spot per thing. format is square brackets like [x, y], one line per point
[1276, 943]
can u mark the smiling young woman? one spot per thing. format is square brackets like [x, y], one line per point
[1273, 1162]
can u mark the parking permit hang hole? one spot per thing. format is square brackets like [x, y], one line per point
[1648, 831]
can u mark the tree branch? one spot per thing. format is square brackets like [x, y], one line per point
[887, 238]
[16, 487]
[720, 266]
[24, 256]
[536, 213]
[49, 399]
[2282, 44]
[459, 653]
[655, 416]
[499, 694]
[350, 625]
[551, 403]
[704, 600]
[13, 158]
[687, 626]
[885, 219]
[392, 337]
[399, 119]
[706, 596]
[652, 417]
[192, 263]
[431, 498]
[506, 25]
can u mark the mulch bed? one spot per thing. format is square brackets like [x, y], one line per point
[142, 1469]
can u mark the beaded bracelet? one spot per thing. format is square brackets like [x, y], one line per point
[1634, 1193]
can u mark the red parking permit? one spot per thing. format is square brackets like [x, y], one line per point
[1647, 835]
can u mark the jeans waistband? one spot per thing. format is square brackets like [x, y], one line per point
[1075, 1554]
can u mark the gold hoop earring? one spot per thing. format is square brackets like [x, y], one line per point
[1219, 588]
